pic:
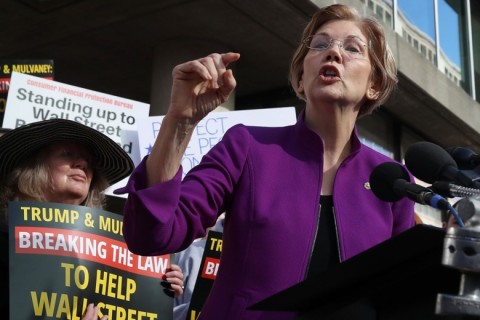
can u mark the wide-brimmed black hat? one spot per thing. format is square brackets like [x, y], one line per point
[3, 131]
[19, 143]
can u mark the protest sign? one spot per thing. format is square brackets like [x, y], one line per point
[210, 130]
[33, 99]
[63, 257]
[40, 68]
[207, 273]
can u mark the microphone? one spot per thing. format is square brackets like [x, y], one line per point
[430, 162]
[390, 182]
[465, 158]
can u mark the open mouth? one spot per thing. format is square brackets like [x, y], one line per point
[329, 72]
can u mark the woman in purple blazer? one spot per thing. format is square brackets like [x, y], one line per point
[297, 198]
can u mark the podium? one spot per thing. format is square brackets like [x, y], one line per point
[398, 279]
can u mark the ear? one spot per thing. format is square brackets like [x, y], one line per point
[300, 87]
[372, 93]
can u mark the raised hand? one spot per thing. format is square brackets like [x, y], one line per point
[201, 85]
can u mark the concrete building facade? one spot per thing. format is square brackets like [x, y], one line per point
[128, 48]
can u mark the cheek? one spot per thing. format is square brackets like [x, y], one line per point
[308, 63]
[58, 175]
[311, 67]
[56, 181]
[363, 70]
[90, 175]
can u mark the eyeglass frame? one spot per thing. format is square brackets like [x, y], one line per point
[355, 55]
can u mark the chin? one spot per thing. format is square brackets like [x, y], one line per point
[77, 197]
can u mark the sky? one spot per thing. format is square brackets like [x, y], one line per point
[420, 13]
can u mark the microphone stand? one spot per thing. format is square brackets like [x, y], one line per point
[461, 251]
[451, 190]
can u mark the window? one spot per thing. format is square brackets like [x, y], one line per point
[423, 50]
[371, 5]
[388, 19]
[453, 49]
[379, 12]
[475, 13]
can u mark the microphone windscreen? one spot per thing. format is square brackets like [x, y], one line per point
[426, 161]
[462, 157]
[382, 180]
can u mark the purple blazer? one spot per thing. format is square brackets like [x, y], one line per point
[268, 182]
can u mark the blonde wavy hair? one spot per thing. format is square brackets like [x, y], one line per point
[384, 69]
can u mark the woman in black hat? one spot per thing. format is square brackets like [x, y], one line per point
[59, 161]
[31, 153]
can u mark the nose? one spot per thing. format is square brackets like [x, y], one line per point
[334, 52]
[80, 162]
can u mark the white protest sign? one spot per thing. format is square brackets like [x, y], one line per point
[32, 99]
[210, 130]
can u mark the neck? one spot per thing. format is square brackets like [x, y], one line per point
[67, 200]
[334, 125]
[335, 128]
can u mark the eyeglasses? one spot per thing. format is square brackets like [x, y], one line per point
[352, 47]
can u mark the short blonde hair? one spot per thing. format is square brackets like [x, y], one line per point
[384, 69]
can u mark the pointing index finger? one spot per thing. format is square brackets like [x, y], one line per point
[230, 57]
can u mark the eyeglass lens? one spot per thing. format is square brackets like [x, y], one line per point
[352, 46]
